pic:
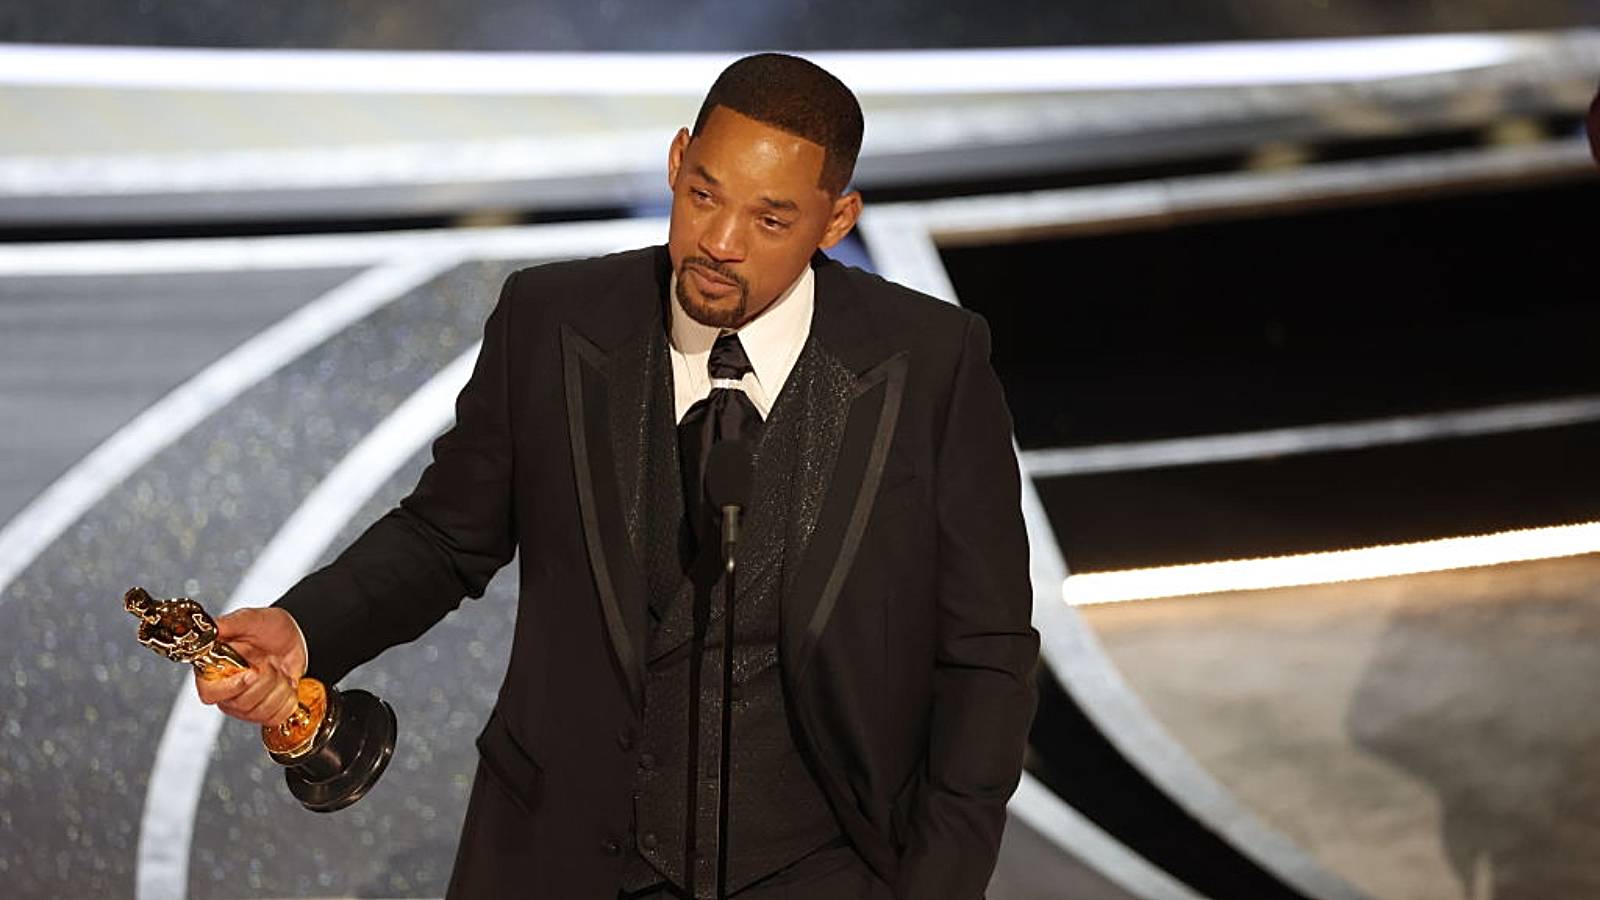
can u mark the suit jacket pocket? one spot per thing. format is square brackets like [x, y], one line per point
[509, 764]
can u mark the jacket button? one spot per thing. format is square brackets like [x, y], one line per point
[646, 762]
[625, 740]
[649, 840]
[612, 847]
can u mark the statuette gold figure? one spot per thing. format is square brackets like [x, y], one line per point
[333, 746]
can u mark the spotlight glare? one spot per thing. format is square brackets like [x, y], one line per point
[1358, 564]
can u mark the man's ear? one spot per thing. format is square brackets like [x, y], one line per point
[680, 143]
[846, 210]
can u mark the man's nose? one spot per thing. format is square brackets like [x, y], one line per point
[723, 239]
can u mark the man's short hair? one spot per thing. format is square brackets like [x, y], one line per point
[797, 96]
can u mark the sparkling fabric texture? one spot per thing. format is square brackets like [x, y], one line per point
[778, 812]
[641, 395]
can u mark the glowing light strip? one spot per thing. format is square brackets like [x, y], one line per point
[353, 163]
[1038, 69]
[1361, 564]
[1279, 442]
[553, 241]
[981, 218]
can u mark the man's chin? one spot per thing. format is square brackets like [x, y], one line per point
[726, 312]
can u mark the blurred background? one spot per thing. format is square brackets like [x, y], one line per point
[1294, 302]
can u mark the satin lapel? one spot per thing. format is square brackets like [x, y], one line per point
[865, 395]
[609, 404]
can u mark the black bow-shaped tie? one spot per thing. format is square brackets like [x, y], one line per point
[724, 415]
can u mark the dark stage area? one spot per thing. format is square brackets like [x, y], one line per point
[1261, 322]
[1328, 501]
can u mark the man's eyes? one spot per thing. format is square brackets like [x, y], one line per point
[769, 222]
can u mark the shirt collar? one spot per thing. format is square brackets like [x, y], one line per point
[771, 340]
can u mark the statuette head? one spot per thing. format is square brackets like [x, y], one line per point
[178, 629]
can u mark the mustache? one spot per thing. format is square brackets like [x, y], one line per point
[716, 268]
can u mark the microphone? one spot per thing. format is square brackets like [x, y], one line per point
[728, 486]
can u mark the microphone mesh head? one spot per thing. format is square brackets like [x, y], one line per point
[728, 474]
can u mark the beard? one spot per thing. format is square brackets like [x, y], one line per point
[718, 315]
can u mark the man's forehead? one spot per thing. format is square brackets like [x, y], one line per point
[731, 140]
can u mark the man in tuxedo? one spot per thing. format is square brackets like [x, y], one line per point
[883, 661]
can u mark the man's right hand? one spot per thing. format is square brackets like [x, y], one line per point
[264, 693]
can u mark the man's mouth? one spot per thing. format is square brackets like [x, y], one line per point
[712, 282]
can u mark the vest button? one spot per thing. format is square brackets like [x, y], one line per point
[625, 739]
[611, 847]
[648, 839]
[647, 762]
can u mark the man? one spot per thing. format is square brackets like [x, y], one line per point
[883, 669]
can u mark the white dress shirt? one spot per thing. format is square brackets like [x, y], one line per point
[771, 340]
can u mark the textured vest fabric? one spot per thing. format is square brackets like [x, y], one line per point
[778, 813]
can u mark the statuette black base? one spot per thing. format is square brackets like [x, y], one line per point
[347, 755]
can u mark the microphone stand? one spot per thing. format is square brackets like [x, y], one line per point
[730, 537]
[728, 467]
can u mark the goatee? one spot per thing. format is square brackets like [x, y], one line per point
[714, 316]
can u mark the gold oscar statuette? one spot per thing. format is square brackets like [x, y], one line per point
[333, 746]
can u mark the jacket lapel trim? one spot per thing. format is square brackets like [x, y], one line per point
[858, 487]
[600, 504]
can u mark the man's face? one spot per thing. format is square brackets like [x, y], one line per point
[747, 213]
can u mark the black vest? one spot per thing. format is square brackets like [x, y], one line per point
[778, 813]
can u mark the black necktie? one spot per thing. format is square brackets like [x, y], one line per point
[725, 415]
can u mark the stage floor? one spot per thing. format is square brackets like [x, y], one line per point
[1429, 737]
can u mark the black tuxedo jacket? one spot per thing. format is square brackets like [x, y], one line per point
[905, 644]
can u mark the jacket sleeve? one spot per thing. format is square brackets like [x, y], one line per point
[442, 543]
[984, 692]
